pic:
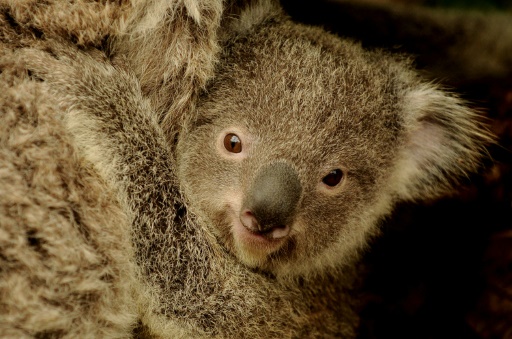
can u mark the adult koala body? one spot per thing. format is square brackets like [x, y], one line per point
[66, 251]
[251, 225]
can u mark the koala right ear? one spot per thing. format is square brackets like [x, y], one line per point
[446, 141]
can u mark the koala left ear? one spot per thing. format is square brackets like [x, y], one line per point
[446, 141]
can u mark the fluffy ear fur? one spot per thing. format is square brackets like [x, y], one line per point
[445, 143]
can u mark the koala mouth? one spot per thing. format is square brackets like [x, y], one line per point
[276, 235]
[257, 243]
[268, 231]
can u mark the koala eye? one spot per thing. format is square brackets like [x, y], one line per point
[233, 143]
[333, 178]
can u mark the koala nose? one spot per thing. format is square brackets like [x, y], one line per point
[270, 204]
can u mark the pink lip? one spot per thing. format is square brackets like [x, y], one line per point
[261, 241]
[249, 222]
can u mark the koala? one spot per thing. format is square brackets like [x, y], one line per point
[246, 218]
[310, 140]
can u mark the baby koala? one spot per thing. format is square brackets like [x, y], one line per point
[303, 142]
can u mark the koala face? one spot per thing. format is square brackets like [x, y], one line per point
[303, 141]
[292, 144]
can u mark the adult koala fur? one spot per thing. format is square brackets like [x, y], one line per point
[67, 260]
[110, 229]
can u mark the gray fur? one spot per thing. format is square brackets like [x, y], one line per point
[300, 96]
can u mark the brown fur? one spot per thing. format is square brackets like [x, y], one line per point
[170, 44]
[65, 251]
[62, 231]
[93, 118]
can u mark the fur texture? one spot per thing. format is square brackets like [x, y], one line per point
[395, 137]
[194, 288]
[171, 45]
[65, 250]
[90, 151]
[67, 261]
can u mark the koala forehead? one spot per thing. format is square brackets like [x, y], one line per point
[325, 94]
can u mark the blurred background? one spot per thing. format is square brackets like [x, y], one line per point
[441, 269]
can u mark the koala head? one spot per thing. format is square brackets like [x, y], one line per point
[303, 142]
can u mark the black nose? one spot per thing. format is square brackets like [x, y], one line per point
[271, 201]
